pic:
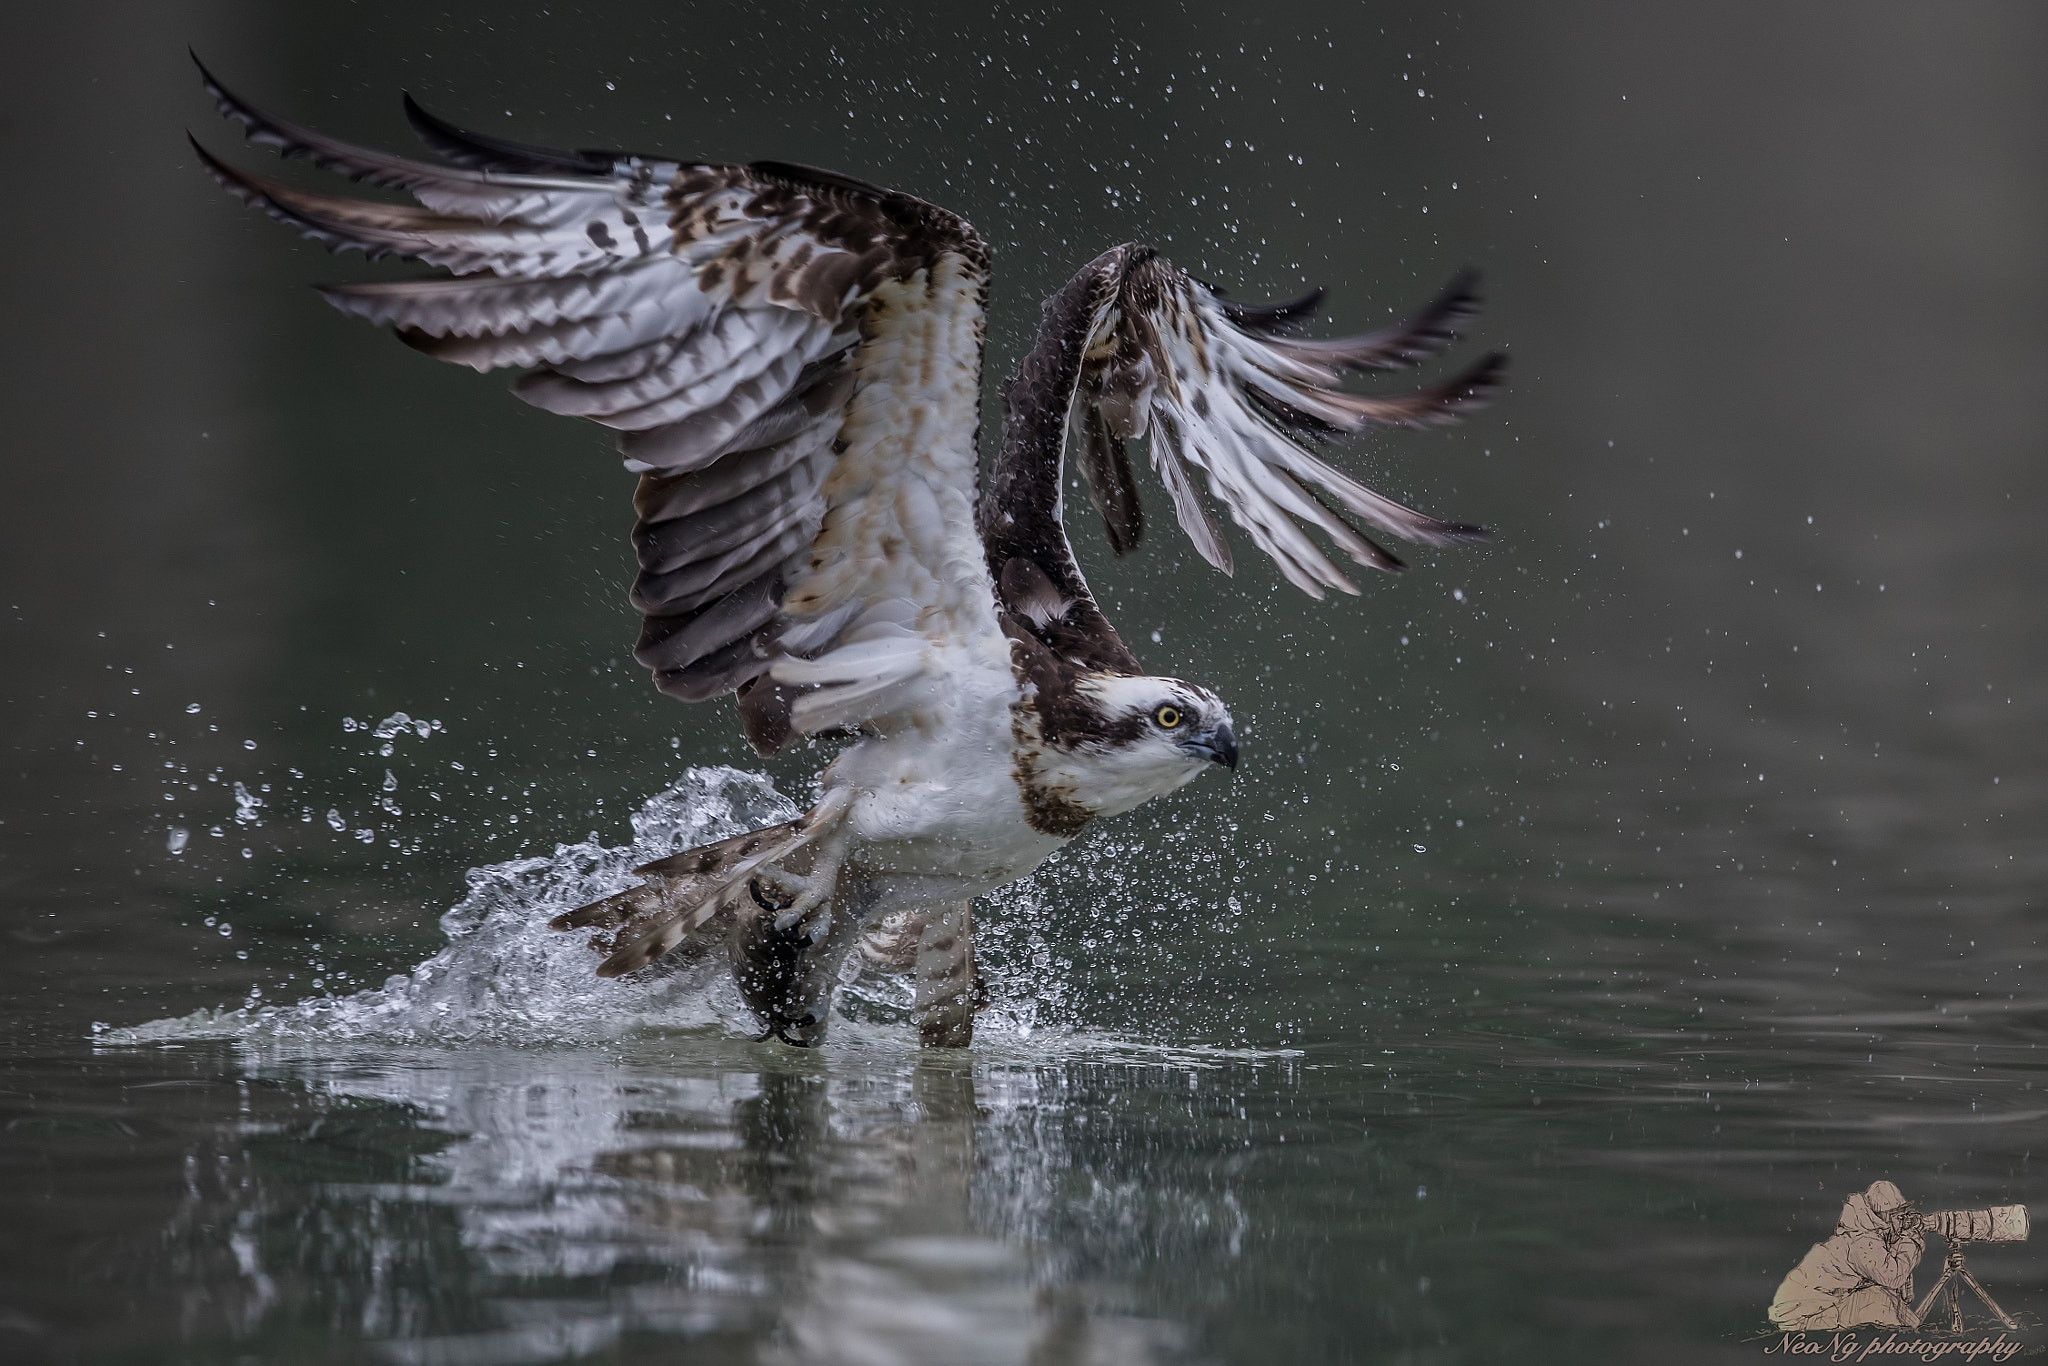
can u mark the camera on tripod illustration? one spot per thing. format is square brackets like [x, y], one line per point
[1998, 1224]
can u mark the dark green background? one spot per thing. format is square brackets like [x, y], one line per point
[1577, 869]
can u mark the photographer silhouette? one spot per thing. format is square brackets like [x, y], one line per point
[1863, 1273]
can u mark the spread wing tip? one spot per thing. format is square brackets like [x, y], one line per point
[257, 126]
[1416, 338]
[1473, 389]
[482, 152]
[223, 99]
[1482, 382]
[253, 190]
[1270, 317]
[1440, 405]
[337, 224]
[1222, 390]
[1446, 535]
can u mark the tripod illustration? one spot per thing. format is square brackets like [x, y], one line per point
[1954, 1276]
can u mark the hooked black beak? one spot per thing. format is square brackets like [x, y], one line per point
[1220, 745]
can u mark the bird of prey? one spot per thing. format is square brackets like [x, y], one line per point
[792, 361]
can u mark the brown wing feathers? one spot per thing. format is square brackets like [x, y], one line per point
[1106, 467]
[704, 312]
[709, 314]
[1038, 585]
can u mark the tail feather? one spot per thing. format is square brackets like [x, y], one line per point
[687, 892]
[628, 915]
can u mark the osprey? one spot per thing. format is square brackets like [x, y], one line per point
[792, 361]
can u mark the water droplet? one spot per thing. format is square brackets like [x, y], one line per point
[390, 781]
[334, 819]
[192, 709]
[179, 838]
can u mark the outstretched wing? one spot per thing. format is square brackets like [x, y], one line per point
[1134, 347]
[791, 360]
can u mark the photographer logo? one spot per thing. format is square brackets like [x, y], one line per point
[1861, 1277]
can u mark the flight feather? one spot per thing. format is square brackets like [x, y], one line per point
[1225, 395]
[790, 360]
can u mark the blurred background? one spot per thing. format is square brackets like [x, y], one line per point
[1560, 884]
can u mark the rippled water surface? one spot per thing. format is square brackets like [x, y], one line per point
[1591, 915]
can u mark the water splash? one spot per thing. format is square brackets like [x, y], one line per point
[504, 975]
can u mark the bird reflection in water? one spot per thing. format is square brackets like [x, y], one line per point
[791, 1209]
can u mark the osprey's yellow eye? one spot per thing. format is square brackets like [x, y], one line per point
[1168, 717]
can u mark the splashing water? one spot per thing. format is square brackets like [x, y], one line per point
[505, 978]
[504, 975]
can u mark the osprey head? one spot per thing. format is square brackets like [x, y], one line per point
[1149, 736]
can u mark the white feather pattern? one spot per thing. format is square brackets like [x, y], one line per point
[708, 351]
[490, 305]
[898, 542]
[1166, 358]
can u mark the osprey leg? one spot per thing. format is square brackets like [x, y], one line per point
[947, 984]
